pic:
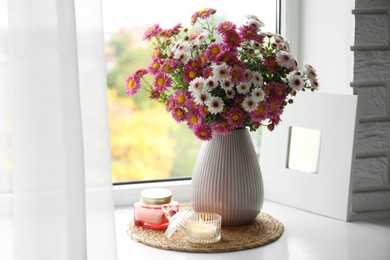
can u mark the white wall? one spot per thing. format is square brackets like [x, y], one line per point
[326, 36]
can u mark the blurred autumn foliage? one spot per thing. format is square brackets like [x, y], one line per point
[146, 143]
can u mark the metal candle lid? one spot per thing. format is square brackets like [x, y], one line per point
[156, 196]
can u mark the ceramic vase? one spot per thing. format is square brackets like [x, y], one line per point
[227, 179]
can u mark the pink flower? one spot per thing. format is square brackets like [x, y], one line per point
[237, 74]
[232, 39]
[181, 97]
[203, 14]
[170, 104]
[259, 114]
[203, 132]
[207, 73]
[133, 84]
[155, 30]
[222, 128]
[213, 50]
[249, 32]
[162, 81]
[190, 73]
[224, 27]
[235, 117]
[168, 65]
[154, 67]
[193, 119]
[178, 114]
[271, 64]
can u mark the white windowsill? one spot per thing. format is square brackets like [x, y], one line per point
[127, 194]
[306, 236]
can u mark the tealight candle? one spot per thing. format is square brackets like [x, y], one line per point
[203, 228]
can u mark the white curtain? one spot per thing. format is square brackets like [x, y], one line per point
[55, 177]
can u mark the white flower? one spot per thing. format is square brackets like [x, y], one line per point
[249, 104]
[285, 59]
[180, 46]
[243, 88]
[203, 35]
[230, 93]
[295, 81]
[215, 105]
[248, 75]
[255, 21]
[258, 94]
[211, 83]
[196, 85]
[221, 71]
[202, 97]
[227, 84]
[183, 56]
[257, 79]
[310, 72]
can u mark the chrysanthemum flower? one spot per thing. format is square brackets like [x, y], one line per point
[178, 114]
[259, 114]
[193, 118]
[285, 59]
[280, 92]
[249, 104]
[232, 39]
[258, 94]
[155, 30]
[249, 32]
[168, 65]
[190, 73]
[170, 104]
[140, 73]
[210, 84]
[221, 71]
[162, 81]
[237, 74]
[295, 81]
[235, 117]
[243, 88]
[213, 50]
[222, 128]
[132, 85]
[154, 94]
[196, 85]
[203, 132]
[230, 93]
[225, 27]
[248, 75]
[182, 56]
[257, 79]
[208, 73]
[228, 56]
[180, 97]
[154, 67]
[215, 105]
[270, 63]
[202, 97]
[227, 84]
[203, 14]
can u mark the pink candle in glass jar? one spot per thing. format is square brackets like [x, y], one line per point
[148, 212]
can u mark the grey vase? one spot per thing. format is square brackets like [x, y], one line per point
[227, 179]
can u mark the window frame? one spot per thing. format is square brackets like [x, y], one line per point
[127, 193]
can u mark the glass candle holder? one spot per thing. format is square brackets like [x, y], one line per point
[203, 227]
[152, 209]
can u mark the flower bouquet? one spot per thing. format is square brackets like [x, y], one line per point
[220, 77]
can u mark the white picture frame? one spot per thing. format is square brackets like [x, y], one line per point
[328, 191]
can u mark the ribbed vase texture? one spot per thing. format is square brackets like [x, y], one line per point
[227, 179]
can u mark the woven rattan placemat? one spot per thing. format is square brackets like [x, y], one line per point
[263, 230]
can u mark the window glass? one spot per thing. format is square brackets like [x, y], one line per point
[146, 143]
